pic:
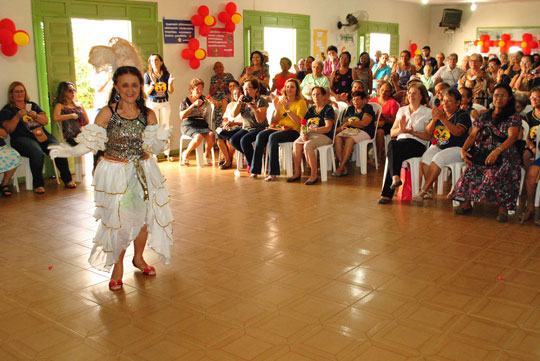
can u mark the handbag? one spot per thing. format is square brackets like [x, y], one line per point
[39, 134]
[404, 192]
[350, 132]
[479, 155]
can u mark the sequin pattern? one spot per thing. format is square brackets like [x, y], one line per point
[126, 137]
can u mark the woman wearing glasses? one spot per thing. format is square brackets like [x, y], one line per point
[69, 112]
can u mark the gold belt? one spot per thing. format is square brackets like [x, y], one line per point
[141, 177]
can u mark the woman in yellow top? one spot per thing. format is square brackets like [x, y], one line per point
[285, 127]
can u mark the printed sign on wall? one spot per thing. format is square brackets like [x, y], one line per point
[177, 31]
[319, 44]
[220, 43]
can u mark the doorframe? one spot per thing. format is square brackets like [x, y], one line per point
[368, 27]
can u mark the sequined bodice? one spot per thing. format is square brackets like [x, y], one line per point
[126, 137]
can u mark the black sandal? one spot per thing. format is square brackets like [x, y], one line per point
[5, 191]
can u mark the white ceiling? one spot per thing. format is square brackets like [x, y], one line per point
[454, 2]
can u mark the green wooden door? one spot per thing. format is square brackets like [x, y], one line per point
[148, 37]
[366, 28]
[256, 34]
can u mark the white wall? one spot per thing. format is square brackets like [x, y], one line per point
[486, 15]
[413, 23]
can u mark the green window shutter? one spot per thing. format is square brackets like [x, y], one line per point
[257, 38]
[303, 43]
[148, 37]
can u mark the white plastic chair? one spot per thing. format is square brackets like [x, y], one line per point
[199, 152]
[456, 169]
[525, 127]
[360, 148]
[326, 154]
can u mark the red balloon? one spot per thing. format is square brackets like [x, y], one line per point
[7, 24]
[203, 10]
[230, 27]
[414, 46]
[193, 44]
[6, 36]
[231, 8]
[194, 63]
[187, 54]
[204, 30]
[527, 37]
[505, 37]
[224, 17]
[9, 49]
[196, 20]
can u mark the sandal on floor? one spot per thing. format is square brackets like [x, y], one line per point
[527, 215]
[39, 190]
[396, 185]
[502, 217]
[419, 198]
[4, 190]
[184, 159]
[148, 271]
[70, 185]
[116, 286]
[428, 194]
[383, 200]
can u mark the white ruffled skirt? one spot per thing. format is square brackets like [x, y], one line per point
[123, 211]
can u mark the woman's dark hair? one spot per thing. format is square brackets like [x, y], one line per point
[406, 52]
[164, 70]
[61, 93]
[510, 107]
[258, 53]
[359, 94]
[530, 57]
[141, 99]
[469, 93]
[346, 53]
[359, 62]
[454, 93]
[321, 89]
[331, 47]
[232, 81]
[255, 83]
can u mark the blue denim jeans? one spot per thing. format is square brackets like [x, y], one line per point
[271, 139]
[243, 140]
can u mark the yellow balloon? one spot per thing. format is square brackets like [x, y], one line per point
[209, 20]
[21, 38]
[236, 18]
[418, 52]
[502, 43]
[200, 54]
[523, 44]
[480, 43]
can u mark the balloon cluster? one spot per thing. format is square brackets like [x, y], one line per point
[230, 17]
[415, 50]
[11, 38]
[527, 43]
[194, 54]
[203, 20]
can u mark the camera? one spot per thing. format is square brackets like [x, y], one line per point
[247, 99]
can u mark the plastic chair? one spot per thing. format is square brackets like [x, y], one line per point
[360, 148]
[525, 127]
[199, 152]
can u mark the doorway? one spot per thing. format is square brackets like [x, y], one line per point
[280, 42]
[379, 42]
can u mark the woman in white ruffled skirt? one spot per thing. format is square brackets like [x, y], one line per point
[130, 194]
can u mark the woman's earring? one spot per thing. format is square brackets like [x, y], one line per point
[117, 97]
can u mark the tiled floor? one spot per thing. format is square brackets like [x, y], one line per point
[273, 272]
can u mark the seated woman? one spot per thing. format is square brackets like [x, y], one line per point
[357, 126]
[257, 70]
[381, 71]
[193, 114]
[68, 112]
[342, 78]
[317, 130]
[364, 74]
[467, 103]
[427, 77]
[531, 181]
[419, 65]
[450, 128]
[289, 111]
[316, 78]
[252, 109]
[230, 125]
[404, 69]
[24, 121]
[390, 108]
[522, 81]
[9, 161]
[412, 138]
[493, 170]
[279, 80]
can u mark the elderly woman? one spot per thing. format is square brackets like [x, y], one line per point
[219, 92]
[317, 130]
[316, 78]
[514, 68]
[193, 114]
[390, 108]
[130, 195]
[252, 109]
[279, 80]
[229, 127]
[363, 72]
[493, 172]
[449, 73]
[257, 70]
[419, 64]
[70, 113]
[476, 79]
[412, 138]
[24, 121]
[404, 68]
[9, 161]
[342, 78]
[450, 128]
[523, 81]
[289, 111]
[357, 126]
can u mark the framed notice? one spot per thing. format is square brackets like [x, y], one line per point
[177, 31]
[220, 43]
[319, 44]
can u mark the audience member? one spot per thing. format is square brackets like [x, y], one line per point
[316, 78]
[9, 161]
[427, 77]
[404, 69]
[426, 50]
[514, 68]
[440, 61]
[219, 92]
[380, 70]
[229, 127]
[503, 57]
[467, 103]
[390, 108]
[449, 73]
[279, 80]
[308, 68]
[70, 113]
[257, 70]
[419, 64]
[331, 64]
[527, 78]
[342, 78]
[465, 63]
[476, 79]
[363, 72]
[496, 73]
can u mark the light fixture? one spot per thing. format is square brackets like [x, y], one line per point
[425, 2]
[473, 6]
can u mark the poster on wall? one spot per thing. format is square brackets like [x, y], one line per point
[319, 44]
[220, 43]
[177, 31]
[347, 42]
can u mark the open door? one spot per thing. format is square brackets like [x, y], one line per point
[148, 37]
